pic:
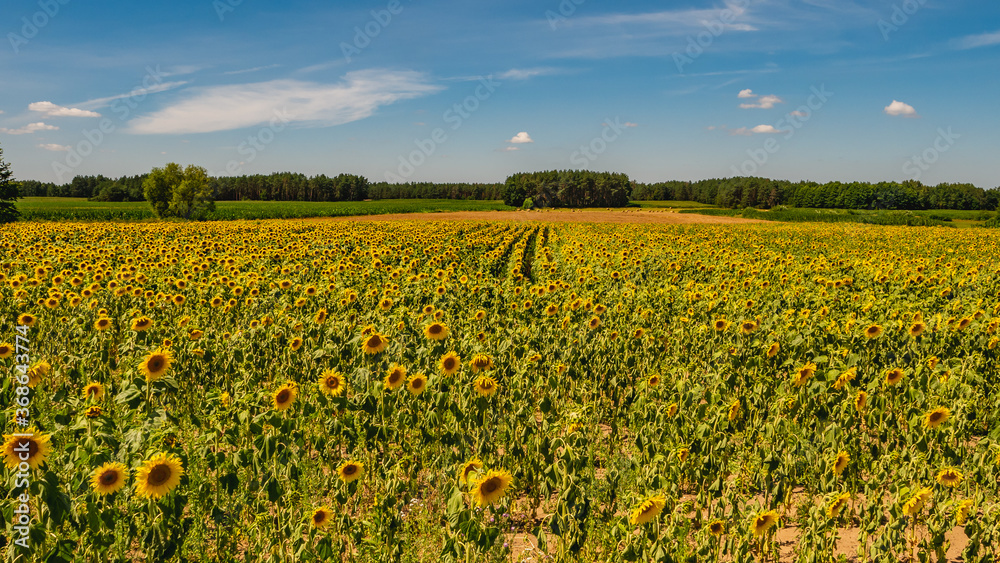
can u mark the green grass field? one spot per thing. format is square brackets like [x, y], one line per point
[79, 209]
[923, 218]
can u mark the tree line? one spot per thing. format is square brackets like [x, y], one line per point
[568, 188]
[765, 193]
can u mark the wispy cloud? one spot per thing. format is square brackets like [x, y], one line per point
[29, 128]
[254, 69]
[52, 110]
[760, 130]
[763, 102]
[522, 137]
[222, 108]
[526, 73]
[137, 93]
[54, 147]
[975, 41]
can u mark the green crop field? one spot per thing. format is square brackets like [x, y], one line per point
[933, 217]
[79, 209]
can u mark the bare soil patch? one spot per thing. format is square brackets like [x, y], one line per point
[630, 216]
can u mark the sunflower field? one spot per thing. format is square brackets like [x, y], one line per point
[288, 391]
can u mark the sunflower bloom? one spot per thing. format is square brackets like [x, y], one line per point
[158, 475]
[860, 402]
[416, 384]
[156, 364]
[873, 331]
[764, 522]
[647, 510]
[717, 528]
[840, 462]
[834, 508]
[486, 386]
[285, 396]
[321, 517]
[962, 512]
[466, 473]
[481, 362]
[894, 376]
[108, 478]
[351, 471]
[396, 377]
[916, 503]
[937, 417]
[489, 488]
[949, 477]
[94, 391]
[142, 324]
[374, 344]
[331, 383]
[31, 442]
[436, 331]
[773, 350]
[450, 363]
[804, 373]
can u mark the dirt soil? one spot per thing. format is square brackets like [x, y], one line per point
[632, 216]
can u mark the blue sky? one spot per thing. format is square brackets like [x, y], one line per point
[447, 90]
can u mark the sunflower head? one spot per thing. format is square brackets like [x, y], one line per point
[490, 487]
[93, 411]
[466, 473]
[837, 505]
[351, 471]
[26, 319]
[158, 475]
[436, 331]
[653, 380]
[321, 517]
[486, 386]
[450, 363]
[283, 398]
[416, 384]
[717, 528]
[873, 331]
[374, 343]
[773, 349]
[647, 510]
[949, 477]
[156, 364]
[860, 401]
[894, 376]
[331, 383]
[94, 391]
[102, 323]
[141, 324]
[937, 417]
[840, 462]
[481, 362]
[108, 478]
[917, 328]
[32, 442]
[396, 377]
[764, 522]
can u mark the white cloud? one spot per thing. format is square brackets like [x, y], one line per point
[508, 149]
[764, 102]
[522, 137]
[760, 129]
[981, 40]
[29, 128]
[798, 113]
[748, 93]
[222, 108]
[254, 69]
[900, 109]
[53, 147]
[526, 73]
[52, 110]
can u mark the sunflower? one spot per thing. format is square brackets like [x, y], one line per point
[374, 344]
[485, 386]
[840, 462]
[37, 372]
[481, 362]
[102, 323]
[873, 331]
[746, 327]
[93, 411]
[773, 350]
[94, 391]
[321, 517]
[416, 384]
[436, 331]
[6, 350]
[764, 522]
[296, 343]
[734, 410]
[894, 376]
[932, 362]
[683, 453]
[964, 323]
[480, 315]
[285, 396]
[860, 401]
[653, 380]
[142, 324]
[647, 510]
[593, 323]
[351, 471]
[466, 472]
[917, 328]
[158, 475]
[395, 377]
[331, 383]
[32, 442]
[385, 304]
[949, 477]
[320, 317]
[804, 373]
[720, 325]
[672, 410]
[916, 503]
[108, 478]
[962, 512]
[845, 378]
[26, 319]
[936, 417]
[833, 509]
[156, 364]
[450, 363]
[490, 487]
[551, 309]
[717, 528]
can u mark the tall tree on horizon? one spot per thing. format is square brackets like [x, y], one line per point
[8, 192]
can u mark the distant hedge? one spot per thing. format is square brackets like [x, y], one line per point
[568, 188]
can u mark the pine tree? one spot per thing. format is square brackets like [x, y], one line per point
[8, 192]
